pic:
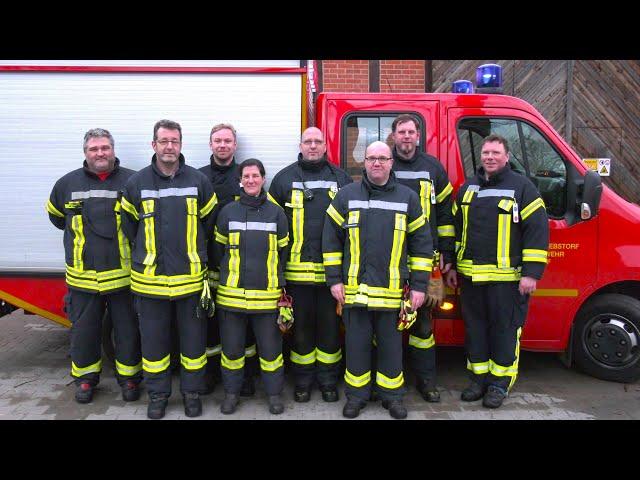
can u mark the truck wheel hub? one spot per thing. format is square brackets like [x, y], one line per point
[612, 340]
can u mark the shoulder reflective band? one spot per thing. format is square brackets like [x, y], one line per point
[170, 192]
[94, 194]
[354, 248]
[272, 262]
[532, 207]
[234, 260]
[380, 205]
[297, 225]
[192, 235]
[399, 232]
[53, 210]
[495, 192]
[254, 226]
[314, 184]
[78, 241]
[468, 195]
[412, 175]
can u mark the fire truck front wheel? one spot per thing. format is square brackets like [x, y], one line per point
[606, 338]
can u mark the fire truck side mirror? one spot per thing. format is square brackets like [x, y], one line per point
[591, 193]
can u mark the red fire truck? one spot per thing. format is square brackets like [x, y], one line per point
[587, 306]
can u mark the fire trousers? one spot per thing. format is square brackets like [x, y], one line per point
[316, 351]
[493, 314]
[233, 327]
[86, 311]
[360, 326]
[155, 329]
[421, 348]
[214, 349]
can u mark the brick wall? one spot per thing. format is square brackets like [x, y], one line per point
[402, 76]
[353, 75]
[345, 75]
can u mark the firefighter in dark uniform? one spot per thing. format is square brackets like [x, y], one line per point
[425, 175]
[84, 203]
[305, 189]
[502, 238]
[251, 236]
[373, 230]
[223, 173]
[170, 212]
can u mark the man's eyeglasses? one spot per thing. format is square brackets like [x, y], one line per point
[379, 159]
[164, 143]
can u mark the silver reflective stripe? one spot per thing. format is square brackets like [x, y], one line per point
[169, 192]
[261, 226]
[412, 175]
[94, 194]
[395, 206]
[473, 188]
[494, 192]
[314, 184]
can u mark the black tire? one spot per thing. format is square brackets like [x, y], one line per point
[606, 338]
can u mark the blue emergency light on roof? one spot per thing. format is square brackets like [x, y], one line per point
[462, 86]
[489, 78]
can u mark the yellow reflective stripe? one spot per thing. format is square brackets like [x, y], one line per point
[219, 237]
[354, 248]
[127, 370]
[156, 367]
[93, 368]
[465, 224]
[500, 371]
[517, 360]
[283, 242]
[416, 224]
[229, 364]
[272, 200]
[504, 241]
[425, 201]
[166, 286]
[78, 241]
[396, 248]
[250, 294]
[423, 264]
[297, 201]
[454, 208]
[478, 368]
[465, 267]
[213, 351]
[532, 207]
[492, 273]
[357, 381]
[149, 237]
[332, 258]
[193, 363]
[335, 215]
[468, 195]
[209, 206]
[306, 267]
[328, 358]
[234, 260]
[248, 299]
[192, 235]
[271, 366]
[307, 359]
[446, 231]
[272, 262]
[390, 383]
[314, 277]
[123, 243]
[168, 280]
[372, 302]
[250, 351]
[53, 210]
[422, 343]
[443, 194]
[534, 255]
[128, 207]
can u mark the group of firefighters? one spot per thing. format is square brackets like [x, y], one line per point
[212, 250]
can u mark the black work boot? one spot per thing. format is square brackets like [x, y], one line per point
[428, 390]
[329, 393]
[192, 404]
[230, 403]
[157, 406]
[396, 408]
[473, 392]
[276, 407]
[130, 391]
[352, 408]
[301, 393]
[494, 397]
[84, 392]
[248, 388]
